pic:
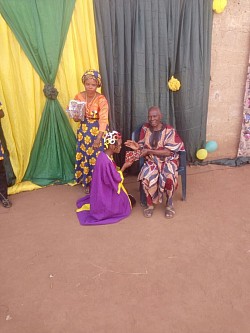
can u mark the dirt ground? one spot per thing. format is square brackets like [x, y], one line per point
[186, 275]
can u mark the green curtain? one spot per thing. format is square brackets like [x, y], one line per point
[141, 44]
[41, 27]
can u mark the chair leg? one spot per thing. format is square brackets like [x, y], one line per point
[183, 185]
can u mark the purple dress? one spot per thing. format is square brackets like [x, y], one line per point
[108, 201]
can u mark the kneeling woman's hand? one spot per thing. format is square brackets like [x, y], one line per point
[126, 165]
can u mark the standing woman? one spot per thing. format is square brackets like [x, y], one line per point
[90, 131]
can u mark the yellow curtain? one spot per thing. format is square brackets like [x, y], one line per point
[21, 89]
[22, 97]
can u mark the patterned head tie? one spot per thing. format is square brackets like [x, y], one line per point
[111, 138]
[92, 74]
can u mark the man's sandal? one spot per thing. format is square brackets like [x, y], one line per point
[148, 212]
[169, 212]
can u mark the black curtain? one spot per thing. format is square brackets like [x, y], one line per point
[141, 44]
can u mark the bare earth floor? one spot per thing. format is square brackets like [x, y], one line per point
[187, 275]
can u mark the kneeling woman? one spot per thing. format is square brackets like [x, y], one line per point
[108, 201]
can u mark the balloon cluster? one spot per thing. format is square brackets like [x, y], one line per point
[210, 147]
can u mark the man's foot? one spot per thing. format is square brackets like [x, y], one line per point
[148, 212]
[169, 212]
[6, 202]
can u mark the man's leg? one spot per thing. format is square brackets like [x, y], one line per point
[143, 198]
[169, 188]
[146, 201]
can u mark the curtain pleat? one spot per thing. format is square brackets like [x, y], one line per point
[42, 38]
[193, 70]
[141, 44]
[21, 89]
[21, 92]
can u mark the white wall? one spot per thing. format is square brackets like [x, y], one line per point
[229, 61]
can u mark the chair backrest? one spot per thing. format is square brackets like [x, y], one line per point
[136, 133]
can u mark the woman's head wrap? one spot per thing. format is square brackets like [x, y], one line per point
[111, 138]
[92, 74]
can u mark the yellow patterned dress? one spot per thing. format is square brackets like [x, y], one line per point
[96, 119]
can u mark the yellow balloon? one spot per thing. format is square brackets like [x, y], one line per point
[201, 154]
[219, 6]
[174, 84]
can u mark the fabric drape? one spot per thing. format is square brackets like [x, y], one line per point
[193, 70]
[21, 88]
[42, 38]
[23, 102]
[141, 44]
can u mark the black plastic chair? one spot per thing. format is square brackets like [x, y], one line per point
[182, 170]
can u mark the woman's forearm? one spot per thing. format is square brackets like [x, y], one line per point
[161, 153]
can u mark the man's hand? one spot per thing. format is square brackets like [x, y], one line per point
[145, 152]
[157, 152]
[132, 144]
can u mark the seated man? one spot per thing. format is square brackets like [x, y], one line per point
[159, 145]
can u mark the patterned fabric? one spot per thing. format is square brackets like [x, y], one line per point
[96, 118]
[92, 74]
[244, 146]
[108, 201]
[159, 174]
